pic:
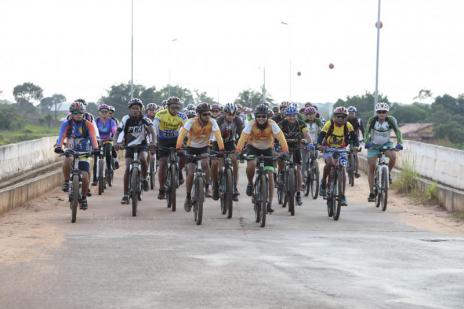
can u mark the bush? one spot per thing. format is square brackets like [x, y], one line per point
[406, 183]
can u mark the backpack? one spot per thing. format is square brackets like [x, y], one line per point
[376, 118]
[331, 129]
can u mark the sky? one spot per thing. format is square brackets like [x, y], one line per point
[81, 48]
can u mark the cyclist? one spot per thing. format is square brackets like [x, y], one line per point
[377, 136]
[278, 117]
[336, 133]
[260, 134]
[216, 111]
[167, 125]
[112, 109]
[294, 129]
[314, 127]
[358, 127]
[80, 136]
[106, 129]
[133, 132]
[199, 131]
[231, 126]
[190, 114]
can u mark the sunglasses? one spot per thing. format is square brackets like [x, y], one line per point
[215, 111]
[77, 113]
[104, 111]
[261, 116]
[340, 117]
[205, 114]
[381, 112]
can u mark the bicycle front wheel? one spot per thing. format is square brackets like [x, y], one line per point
[351, 169]
[315, 180]
[384, 190]
[134, 190]
[74, 197]
[152, 175]
[263, 200]
[172, 189]
[101, 179]
[340, 191]
[291, 183]
[229, 192]
[200, 197]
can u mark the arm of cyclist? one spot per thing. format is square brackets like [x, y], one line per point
[61, 136]
[180, 139]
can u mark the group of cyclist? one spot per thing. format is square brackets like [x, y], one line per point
[281, 132]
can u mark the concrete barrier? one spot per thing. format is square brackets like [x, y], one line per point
[18, 194]
[24, 156]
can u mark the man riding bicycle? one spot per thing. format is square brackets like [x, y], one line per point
[358, 127]
[199, 131]
[314, 125]
[133, 132]
[336, 134]
[79, 135]
[231, 126]
[167, 123]
[377, 136]
[259, 134]
[294, 131]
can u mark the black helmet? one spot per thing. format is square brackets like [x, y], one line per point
[82, 101]
[173, 100]
[261, 109]
[135, 101]
[203, 107]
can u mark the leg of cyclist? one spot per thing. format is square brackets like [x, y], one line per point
[181, 167]
[325, 173]
[215, 176]
[250, 171]
[162, 174]
[206, 168]
[95, 162]
[391, 163]
[107, 151]
[270, 176]
[67, 163]
[356, 172]
[299, 177]
[125, 197]
[235, 172]
[189, 183]
[84, 167]
[371, 162]
[143, 155]
[115, 156]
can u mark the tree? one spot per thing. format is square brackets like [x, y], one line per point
[54, 102]
[184, 94]
[9, 118]
[202, 97]
[364, 103]
[252, 98]
[27, 93]
[423, 94]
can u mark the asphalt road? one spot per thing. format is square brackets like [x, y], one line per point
[160, 259]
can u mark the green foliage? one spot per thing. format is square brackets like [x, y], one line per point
[28, 132]
[202, 97]
[406, 183]
[27, 93]
[252, 98]
[54, 102]
[431, 193]
[364, 104]
[9, 118]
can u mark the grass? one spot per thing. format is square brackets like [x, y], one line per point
[407, 184]
[29, 132]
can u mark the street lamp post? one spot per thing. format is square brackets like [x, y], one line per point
[170, 64]
[132, 51]
[378, 26]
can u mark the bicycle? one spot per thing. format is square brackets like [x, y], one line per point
[312, 175]
[75, 190]
[381, 178]
[352, 166]
[287, 188]
[104, 174]
[152, 171]
[199, 181]
[335, 183]
[261, 190]
[135, 180]
[226, 183]
[172, 177]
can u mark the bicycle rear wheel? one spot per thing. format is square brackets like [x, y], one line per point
[152, 175]
[351, 169]
[200, 197]
[384, 196]
[172, 190]
[74, 197]
[222, 191]
[263, 200]
[101, 179]
[315, 180]
[135, 178]
[291, 183]
[340, 190]
[280, 189]
[229, 192]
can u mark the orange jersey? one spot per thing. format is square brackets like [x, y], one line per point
[262, 138]
[198, 135]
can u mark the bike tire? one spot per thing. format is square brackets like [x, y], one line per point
[108, 177]
[134, 188]
[229, 193]
[256, 199]
[280, 191]
[378, 189]
[315, 181]
[263, 200]
[351, 169]
[291, 184]
[340, 190]
[222, 192]
[101, 179]
[200, 197]
[308, 184]
[172, 190]
[74, 198]
[152, 175]
[385, 183]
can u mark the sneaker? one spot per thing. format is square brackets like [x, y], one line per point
[322, 191]
[371, 197]
[161, 194]
[65, 187]
[298, 199]
[215, 191]
[145, 185]
[249, 189]
[269, 208]
[116, 164]
[188, 204]
[89, 194]
[125, 199]
[94, 183]
[357, 175]
[343, 201]
[84, 204]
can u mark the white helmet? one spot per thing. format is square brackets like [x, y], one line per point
[381, 106]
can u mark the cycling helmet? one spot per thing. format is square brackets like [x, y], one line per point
[261, 109]
[340, 110]
[291, 111]
[216, 106]
[82, 101]
[173, 100]
[152, 107]
[190, 114]
[271, 114]
[382, 106]
[352, 109]
[77, 107]
[203, 107]
[275, 109]
[135, 101]
[308, 104]
[294, 105]
[309, 110]
[230, 108]
[102, 107]
[190, 107]
[111, 108]
[284, 104]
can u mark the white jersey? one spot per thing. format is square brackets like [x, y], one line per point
[381, 133]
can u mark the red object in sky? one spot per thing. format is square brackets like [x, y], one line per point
[331, 66]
